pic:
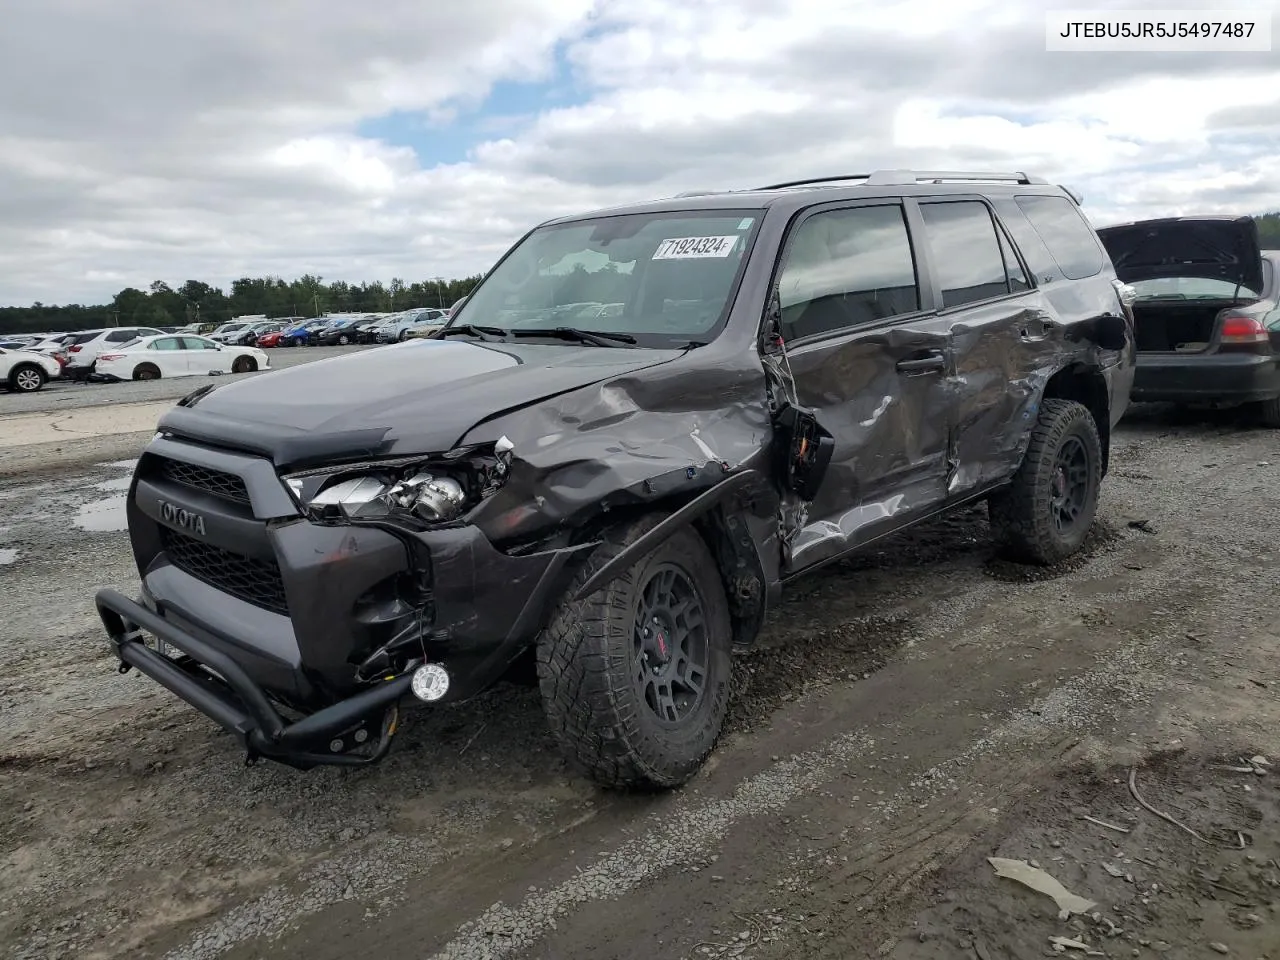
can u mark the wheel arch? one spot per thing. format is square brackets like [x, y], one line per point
[1086, 385]
[731, 517]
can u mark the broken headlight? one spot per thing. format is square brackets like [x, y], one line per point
[432, 490]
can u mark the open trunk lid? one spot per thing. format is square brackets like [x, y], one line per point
[1220, 248]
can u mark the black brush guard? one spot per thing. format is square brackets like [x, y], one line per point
[236, 702]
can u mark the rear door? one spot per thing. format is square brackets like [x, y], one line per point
[870, 356]
[168, 354]
[998, 337]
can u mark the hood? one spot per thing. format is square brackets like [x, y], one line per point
[1224, 248]
[417, 397]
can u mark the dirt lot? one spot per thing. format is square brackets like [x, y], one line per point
[907, 715]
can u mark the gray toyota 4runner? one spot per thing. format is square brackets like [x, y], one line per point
[641, 425]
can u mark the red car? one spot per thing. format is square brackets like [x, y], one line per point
[269, 339]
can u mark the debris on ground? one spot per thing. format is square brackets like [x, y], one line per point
[1041, 882]
[1144, 525]
[1062, 944]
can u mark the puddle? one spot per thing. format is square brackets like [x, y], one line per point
[103, 516]
[7, 556]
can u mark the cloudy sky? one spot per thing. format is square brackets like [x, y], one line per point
[153, 139]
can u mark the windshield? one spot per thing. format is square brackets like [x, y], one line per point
[663, 278]
[1190, 288]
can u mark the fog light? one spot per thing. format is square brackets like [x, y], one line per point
[430, 682]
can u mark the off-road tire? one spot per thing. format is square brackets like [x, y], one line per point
[1269, 412]
[1022, 516]
[244, 365]
[27, 378]
[587, 664]
[146, 371]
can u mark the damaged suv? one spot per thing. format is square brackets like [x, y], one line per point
[640, 425]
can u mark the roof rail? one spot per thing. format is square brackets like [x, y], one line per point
[813, 180]
[882, 178]
[699, 193]
[885, 178]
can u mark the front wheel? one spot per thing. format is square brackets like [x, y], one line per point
[1046, 512]
[343, 340]
[635, 677]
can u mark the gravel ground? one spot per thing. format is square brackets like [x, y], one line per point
[63, 394]
[907, 714]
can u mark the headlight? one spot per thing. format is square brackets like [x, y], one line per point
[434, 491]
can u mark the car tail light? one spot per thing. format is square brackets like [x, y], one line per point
[1237, 328]
[111, 356]
[75, 348]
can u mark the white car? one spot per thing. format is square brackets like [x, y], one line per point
[84, 346]
[169, 355]
[26, 372]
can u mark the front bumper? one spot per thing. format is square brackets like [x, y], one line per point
[231, 697]
[1226, 378]
[307, 612]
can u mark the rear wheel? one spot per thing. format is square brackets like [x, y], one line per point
[403, 334]
[1269, 412]
[343, 340]
[244, 365]
[146, 371]
[27, 378]
[1046, 512]
[635, 677]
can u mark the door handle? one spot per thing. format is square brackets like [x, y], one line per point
[934, 361]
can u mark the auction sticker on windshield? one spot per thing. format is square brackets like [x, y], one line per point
[688, 248]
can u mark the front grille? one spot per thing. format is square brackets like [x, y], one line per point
[225, 485]
[246, 578]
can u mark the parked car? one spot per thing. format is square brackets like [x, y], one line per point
[455, 306]
[403, 326]
[151, 358]
[300, 335]
[270, 338]
[84, 347]
[1206, 311]
[338, 333]
[249, 335]
[366, 327]
[24, 371]
[772, 379]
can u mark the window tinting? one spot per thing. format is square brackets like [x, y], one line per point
[122, 336]
[966, 251]
[1013, 269]
[1066, 233]
[847, 267]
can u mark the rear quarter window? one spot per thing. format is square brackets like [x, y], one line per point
[1064, 230]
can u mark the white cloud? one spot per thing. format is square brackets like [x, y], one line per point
[177, 141]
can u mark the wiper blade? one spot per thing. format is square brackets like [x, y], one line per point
[487, 334]
[598, 337]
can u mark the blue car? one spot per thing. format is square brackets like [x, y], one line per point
[303, 334]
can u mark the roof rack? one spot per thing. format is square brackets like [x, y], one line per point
[885, 178]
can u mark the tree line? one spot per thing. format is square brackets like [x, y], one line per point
[161, 305]
[196, 302]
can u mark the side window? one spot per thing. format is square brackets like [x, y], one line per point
[847, 267]
[166, 343]
[1018, 281]
[1066, 233]
[197, 343]
[122, 336]
[966, 251]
